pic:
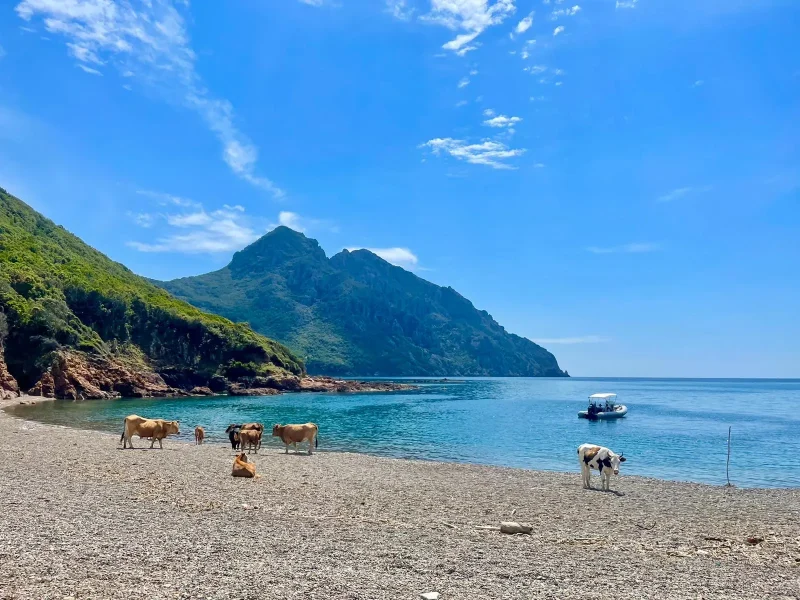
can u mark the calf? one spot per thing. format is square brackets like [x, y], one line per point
[601, 459]
[233, 435]
[259, 427]
[293, 434]
[199, 435]
[250, 439]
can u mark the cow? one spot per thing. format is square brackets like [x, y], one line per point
[233, 435]
[199, 435]
[257, 427]
[155, 429]
[242, 468]
[601, 459]
[250, 439]
[293, 434]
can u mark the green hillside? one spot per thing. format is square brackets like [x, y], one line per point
[356, 314]
[57, 294]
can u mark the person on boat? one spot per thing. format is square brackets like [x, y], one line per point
[592, 410]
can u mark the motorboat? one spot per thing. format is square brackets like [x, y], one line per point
[603, 406]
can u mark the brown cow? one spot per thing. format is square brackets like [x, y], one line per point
[293, 434]
[242, 468]
[250, 439]
[199, 435]
[257, 427]
[155, 429]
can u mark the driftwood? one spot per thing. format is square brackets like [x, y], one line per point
[509, 527]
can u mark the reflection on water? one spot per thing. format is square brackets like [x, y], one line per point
[528, 423]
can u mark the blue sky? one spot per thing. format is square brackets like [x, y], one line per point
[618, 180]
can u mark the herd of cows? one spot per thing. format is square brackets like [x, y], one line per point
[247, 439]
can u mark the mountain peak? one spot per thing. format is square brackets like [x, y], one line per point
[279, 246]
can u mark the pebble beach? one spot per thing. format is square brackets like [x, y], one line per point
[82, 518]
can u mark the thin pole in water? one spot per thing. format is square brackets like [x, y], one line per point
[728, 464]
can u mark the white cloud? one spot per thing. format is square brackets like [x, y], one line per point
[461, 103]
[538, 166]
[399, 9]
[489, 113]
[635, 248]
[473, 72]
[502, 121]
[150, 38]
[470, 16]
[89, 70]
[536, 98]
[400, 257]
[585, 339]
[535, 69]
[565, 12]
[524, 24]
[698, 83]
[313, 2]
[223, 230]
[291, 220]
[489, 152]
[168, 199]
[142, 219]
[463, 83]
[558, 30]
[679, 193]
[525, 55]
[627, 3]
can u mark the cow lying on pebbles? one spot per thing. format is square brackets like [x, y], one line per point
[243, 468]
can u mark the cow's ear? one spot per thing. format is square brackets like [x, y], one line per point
[622, 459]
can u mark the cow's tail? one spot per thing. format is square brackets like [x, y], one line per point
[124, 427]
[316, 436]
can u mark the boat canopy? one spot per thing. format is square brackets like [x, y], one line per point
[602, 396]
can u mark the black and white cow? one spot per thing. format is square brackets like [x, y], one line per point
[600, 459]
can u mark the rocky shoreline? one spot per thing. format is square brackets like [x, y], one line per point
[81, 519]
[80, 376]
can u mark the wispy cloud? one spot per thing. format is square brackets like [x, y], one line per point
[470, 16]
[524, 24]
[535, 69]
[165, 199]
[463, 83]
[558, 30]
[627, 3]
[149, 37]
[491, 153]
[400, 257]
[399, 9]
[89, 70]
[461, 103]
[585, 339]
[679, 193]
[565, 12]
[634, 248]
[292, 220]
[142, 219]
[200, 232]
[501, 121]
[698, 83]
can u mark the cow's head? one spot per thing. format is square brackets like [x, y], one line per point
[231, 427]
[277, 430]
[616, 460]
[242, 457]
[172, 427]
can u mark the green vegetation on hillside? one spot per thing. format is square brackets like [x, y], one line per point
[356, 314]
[57, 292]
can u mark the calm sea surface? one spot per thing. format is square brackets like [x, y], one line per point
[675, 428]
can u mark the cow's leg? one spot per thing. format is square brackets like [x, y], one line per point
[287, 447]
[585, 475]
[152, 442]
[161, 443]
[310, 445]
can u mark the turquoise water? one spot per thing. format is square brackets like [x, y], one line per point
[675, 429]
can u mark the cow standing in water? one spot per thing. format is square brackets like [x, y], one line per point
[199, 435]
[233, 435]
[294, 434]
[600, 459]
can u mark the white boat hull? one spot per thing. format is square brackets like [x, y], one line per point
[620, 412]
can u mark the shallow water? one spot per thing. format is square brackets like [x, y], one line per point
[675, 428]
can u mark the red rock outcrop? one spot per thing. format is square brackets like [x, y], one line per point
[77, 376]
[8, 385]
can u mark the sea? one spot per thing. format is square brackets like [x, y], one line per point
[675, 429]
